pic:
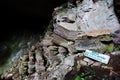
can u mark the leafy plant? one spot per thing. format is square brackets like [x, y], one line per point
[79, 78]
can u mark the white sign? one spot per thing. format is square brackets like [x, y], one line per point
[97, 56]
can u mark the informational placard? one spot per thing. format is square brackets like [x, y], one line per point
[97, 56]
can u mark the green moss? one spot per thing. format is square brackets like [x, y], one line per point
[106, 38]
[108, 48]
[24, 68]
[117, 48]
[2, 68]
[78, 67]
[53, 52]
[26, 62]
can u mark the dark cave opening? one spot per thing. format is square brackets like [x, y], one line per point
[117, 8]
[21, 19]
[26, 16]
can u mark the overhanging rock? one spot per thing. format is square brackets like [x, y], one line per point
[88, 16]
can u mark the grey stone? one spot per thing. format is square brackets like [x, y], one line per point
[62, 50]
[116, 53]
[96, 64]
[33, 48]
[61, 70]
[83, 63]
[88, 44]
[90, 62]
[39, 67]
[31, 67]
[61, 31]
[47, 42]
[54, 48]
[72, 49]
[25, 58]
[60, 40]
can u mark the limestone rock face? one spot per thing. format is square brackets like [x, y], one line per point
[97, 16]
[87, 16]
[88, 44]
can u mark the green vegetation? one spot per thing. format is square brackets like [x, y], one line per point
[53, 52]
[108, 48]
[24, 68]
[117, 48]
[2, 68]
[79, 78]
[106, 38]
